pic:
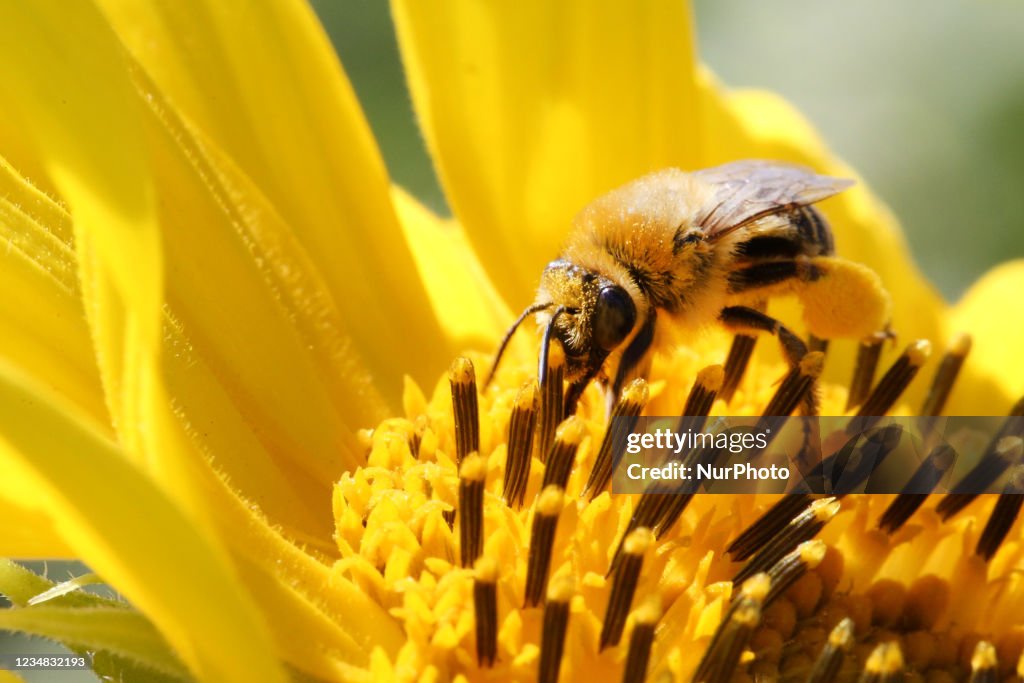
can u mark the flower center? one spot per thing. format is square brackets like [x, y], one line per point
[483, 521]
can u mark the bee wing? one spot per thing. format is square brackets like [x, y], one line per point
[747, 190]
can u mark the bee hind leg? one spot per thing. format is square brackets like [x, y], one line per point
[742, 319]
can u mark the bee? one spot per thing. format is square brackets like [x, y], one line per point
[710, 246]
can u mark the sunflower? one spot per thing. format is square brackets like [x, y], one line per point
[223, 330]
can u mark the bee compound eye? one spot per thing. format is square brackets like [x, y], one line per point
[614, 317]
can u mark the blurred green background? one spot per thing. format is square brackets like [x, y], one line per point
[925, 99]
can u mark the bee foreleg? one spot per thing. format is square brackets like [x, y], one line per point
[743, 319]
[634, 353]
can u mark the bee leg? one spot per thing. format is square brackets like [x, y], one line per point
[741, 319]
[634, 353]
[572, 395]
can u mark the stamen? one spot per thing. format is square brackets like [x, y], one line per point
[677, 503]
[702, 396]
[892, 385]
[723, 653]
[840, 643]
[556, 621]
[1003, 515]
[856, 461]
[795, 385]
[786, 571]
[419, 428]
[997, 458]
[624, 585]
[552, 398]
[649, 511]
[464, 406]
[884, 665]
[645, 618]
[736, 364]
[623, 419]
[567, 440]
[542, 540]
[984, 663]
[946, 375]
[803, 528]
[471, 508]
[774, 520]
[868, 353]
[485, 605]
[521, 426]
[925, 478]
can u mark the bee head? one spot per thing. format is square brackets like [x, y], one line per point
[590, 314]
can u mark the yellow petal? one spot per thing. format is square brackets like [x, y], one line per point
[244, 302]
[989, 312]
[65, 81]
[471, 311]
[530, 113]
[131, 533]
[27, 532]
[43, 324]
[262, 80]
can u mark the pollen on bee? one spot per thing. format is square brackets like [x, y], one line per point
[885, 664]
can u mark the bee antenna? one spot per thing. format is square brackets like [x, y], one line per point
[545, 343]
[530, 310]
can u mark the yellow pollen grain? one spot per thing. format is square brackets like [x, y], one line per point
[841, 636]
[918, 352]
[485, 570]
[961, 344]
[984, 656]
[887, 658]
[527, 396]
[748, 614]
[1010, 448]
[638, 541]
[550, 501]
[556, 356]
[711, 378]
[474, 468]
[825, 509]
[571, 431]
[636, 392]
[562, 588]
[757, 587]
[461, 371]
[649, 611]
[812, 553]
